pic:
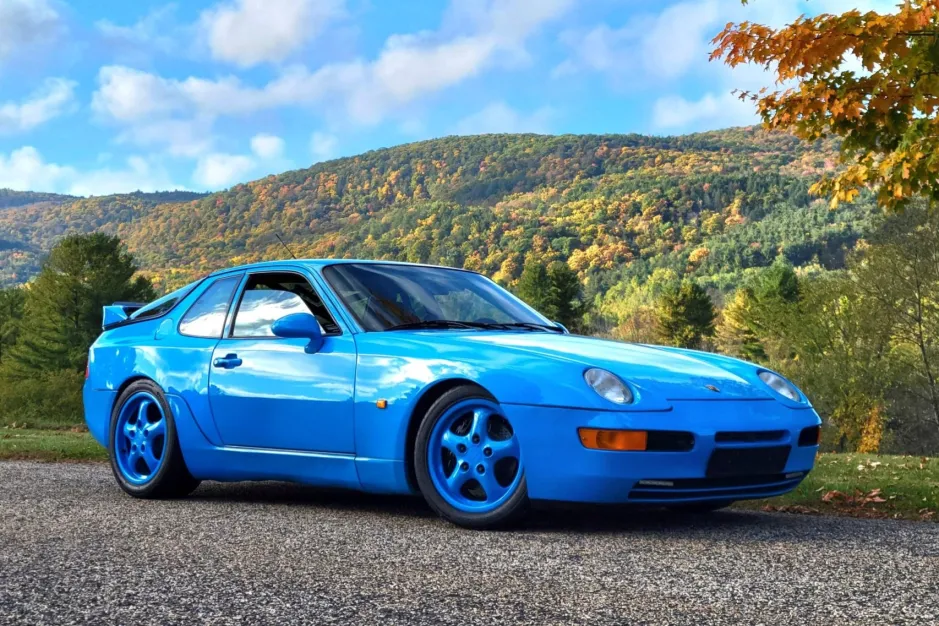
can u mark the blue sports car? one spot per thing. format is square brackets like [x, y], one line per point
[399, 378]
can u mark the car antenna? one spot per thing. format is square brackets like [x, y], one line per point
[292, 255]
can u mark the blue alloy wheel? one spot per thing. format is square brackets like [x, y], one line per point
[140, 438]
[473, 456]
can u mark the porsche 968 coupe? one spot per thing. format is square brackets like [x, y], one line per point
[410, 379]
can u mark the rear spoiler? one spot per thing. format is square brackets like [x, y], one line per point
[119, 312]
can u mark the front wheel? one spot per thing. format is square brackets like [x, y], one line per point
[468, 461]
[145, 455]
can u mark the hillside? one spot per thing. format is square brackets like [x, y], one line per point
[615, 207]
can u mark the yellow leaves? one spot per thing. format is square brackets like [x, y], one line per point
[697, 255]
[889, 108]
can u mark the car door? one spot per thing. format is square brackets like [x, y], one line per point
[267, 391]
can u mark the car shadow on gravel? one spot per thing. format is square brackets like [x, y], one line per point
[546, 517]
[294, 494]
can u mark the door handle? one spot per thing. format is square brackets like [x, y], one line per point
[227, 362]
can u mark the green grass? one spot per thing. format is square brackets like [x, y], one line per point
[49, 445]
[864, 485]
[859, 485]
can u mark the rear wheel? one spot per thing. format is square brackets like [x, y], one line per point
[468, 461]
[145, 455]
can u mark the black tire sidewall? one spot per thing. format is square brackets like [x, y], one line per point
[172, 456]
[509, 512]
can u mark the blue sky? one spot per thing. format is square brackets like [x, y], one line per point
[110, 96]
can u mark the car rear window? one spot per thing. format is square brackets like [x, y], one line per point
[163, 305]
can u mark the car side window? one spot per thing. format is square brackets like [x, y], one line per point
[267, 297]
[206, 317]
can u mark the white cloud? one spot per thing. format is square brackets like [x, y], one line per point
[24, 169]
[498, 117]
[180, 138]
[323, 146]
[157, 31]
[219, 170]
[679, 37]
[250, 32]
[126, 94]
[267, 147]
[668, 49]
[675, 41]
[650, 47]
[407, 68]
[25, 23]
[54, 98]
[675, 112]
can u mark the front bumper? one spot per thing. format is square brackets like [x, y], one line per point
[558, 467]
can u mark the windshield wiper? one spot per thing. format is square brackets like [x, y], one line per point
[526, 325]
[436, 324]
[445, 324]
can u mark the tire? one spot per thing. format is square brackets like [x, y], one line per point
[155, 472]
[489, 460]
[700, 508]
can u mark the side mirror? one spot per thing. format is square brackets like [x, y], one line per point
[300, 325]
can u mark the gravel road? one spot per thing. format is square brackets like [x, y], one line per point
[75, 549]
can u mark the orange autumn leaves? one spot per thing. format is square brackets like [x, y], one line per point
[871, 79]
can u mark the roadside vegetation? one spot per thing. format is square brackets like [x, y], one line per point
[864, 485]
[49, 445]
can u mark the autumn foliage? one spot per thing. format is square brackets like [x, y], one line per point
[871, 79]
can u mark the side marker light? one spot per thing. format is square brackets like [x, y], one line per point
[622, 440]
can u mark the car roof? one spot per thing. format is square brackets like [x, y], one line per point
[320, 263]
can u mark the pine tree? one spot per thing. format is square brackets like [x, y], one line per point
[534, 287]
[11, 311]
[566, 295]
[62, 309]
[685, 316]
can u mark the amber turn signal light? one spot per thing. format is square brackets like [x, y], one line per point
[623, 440]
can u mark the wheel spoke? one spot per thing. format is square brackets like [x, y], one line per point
[151, 461]
[129, 430]
[451, 440]
[132, 457]
[480, 421]
[156, 429]
[142, 412]
[490, 485]
[505, 449]
[455, 480]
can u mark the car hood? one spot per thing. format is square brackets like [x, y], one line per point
[665, 373]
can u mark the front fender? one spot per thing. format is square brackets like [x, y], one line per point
[399, 370]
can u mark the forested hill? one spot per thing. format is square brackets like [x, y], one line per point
[618, 208]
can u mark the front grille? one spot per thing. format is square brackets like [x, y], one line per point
[749, 436]
[669, 441]
[729, 487]
[747, 461]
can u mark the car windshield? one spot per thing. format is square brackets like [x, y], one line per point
[385, 296]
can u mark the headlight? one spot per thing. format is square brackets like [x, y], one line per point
[780, 385]
[608, 385]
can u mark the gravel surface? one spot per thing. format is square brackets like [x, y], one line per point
[75, 549]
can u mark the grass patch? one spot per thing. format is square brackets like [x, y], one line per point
[864, 485]
[49, 445]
